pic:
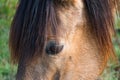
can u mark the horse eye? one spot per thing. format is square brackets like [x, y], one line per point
[53, 47]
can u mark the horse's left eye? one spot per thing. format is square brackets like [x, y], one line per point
[53, 47]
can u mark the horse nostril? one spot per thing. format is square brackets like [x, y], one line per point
[53, 47]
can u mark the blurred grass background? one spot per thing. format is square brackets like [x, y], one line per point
[8, 71]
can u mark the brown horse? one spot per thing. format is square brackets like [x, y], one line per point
[62, 39]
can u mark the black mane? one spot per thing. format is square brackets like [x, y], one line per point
[28, 30]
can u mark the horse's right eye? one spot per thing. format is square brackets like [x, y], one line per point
[53, 47]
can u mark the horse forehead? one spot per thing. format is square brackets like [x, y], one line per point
[69, 18]
[72, 16]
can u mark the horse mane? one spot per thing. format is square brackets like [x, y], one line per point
[30, 24]
[101, 18]
[29, 27]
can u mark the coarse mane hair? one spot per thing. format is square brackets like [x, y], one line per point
[101, 17]
[29, 27]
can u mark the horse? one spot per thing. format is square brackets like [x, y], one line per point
[62, 39]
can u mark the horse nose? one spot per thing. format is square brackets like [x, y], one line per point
[53, 47]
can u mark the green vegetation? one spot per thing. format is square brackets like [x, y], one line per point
[7, 10]
[8, 71]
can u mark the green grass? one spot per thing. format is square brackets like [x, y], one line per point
[7, 10]
[7, 70]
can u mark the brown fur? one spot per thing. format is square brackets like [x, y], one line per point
[83, 26]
